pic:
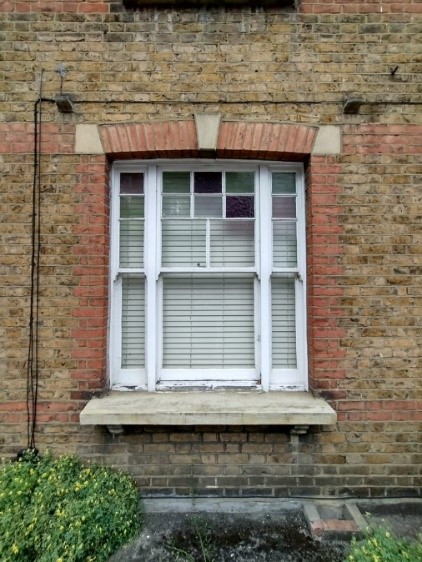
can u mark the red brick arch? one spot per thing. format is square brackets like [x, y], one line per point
[178, 139]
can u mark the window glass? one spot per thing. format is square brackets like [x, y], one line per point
[284, 182]
[283, 313]
[284, 207]
[208, 206]
[208, 323]
[133, 322]
[176, 182]
[207, 182]
[184, 243]
[176, 205]
[240, 182]
[239, 207]
[131, 183]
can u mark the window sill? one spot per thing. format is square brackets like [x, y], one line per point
[299, 409]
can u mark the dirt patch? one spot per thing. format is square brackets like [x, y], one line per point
[206, 537]
[402, 517]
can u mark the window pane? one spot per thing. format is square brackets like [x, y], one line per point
[131, 207]
[208, 323]
[240, 182]
[284, 207]
[284, 244]
[284, 182]
[133, 323]
[283, 324]
[131, 243]
[239, 207]
[176, 206]
[176, 182]
[232, 243]
[207, 182]
[131, 183]
[208, 206]
[183, 243]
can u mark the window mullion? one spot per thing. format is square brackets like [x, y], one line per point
[265, 226]
[152, 222]
[300, 283]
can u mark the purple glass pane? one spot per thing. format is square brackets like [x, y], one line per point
[208, 182]
[131, 184]
[239, 207]
[284, 207]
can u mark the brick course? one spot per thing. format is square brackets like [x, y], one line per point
[275, 76]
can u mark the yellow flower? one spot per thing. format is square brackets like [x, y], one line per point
[15, 548]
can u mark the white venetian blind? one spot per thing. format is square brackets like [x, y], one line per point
[183, 243]
[232, 243]
[283, 312]
[131, 256]
[284, 219]
[131, 239]
[208, 322]
[133, 322]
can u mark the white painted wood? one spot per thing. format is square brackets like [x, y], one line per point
[265, 254]
[151, 271]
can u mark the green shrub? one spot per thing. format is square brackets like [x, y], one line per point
[59, 510]
[380, 545]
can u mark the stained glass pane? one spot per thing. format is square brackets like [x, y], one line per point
[284, 182]
[239, 182]
[176, 182]
[239, 207]
[176, 206]
[284, 207]
[131, 183]
[208, 206]
[131, 207]
[208, 182]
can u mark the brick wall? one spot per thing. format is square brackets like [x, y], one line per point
[280, 66]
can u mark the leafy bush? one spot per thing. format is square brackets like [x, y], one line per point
[380, 545]
[59, 510]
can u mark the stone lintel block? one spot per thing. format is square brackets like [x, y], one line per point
[207, 129]
[328, 140]
[87, 140]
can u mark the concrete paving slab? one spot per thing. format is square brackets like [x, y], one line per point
[261, 529]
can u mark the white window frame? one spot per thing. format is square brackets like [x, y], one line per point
[152, 377]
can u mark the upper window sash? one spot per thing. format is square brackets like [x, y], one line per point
[208, 220]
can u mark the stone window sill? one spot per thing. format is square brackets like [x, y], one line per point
[297, 409]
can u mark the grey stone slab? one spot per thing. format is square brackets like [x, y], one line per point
[208, 408]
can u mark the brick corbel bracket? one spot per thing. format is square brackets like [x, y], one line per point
[206, 136]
